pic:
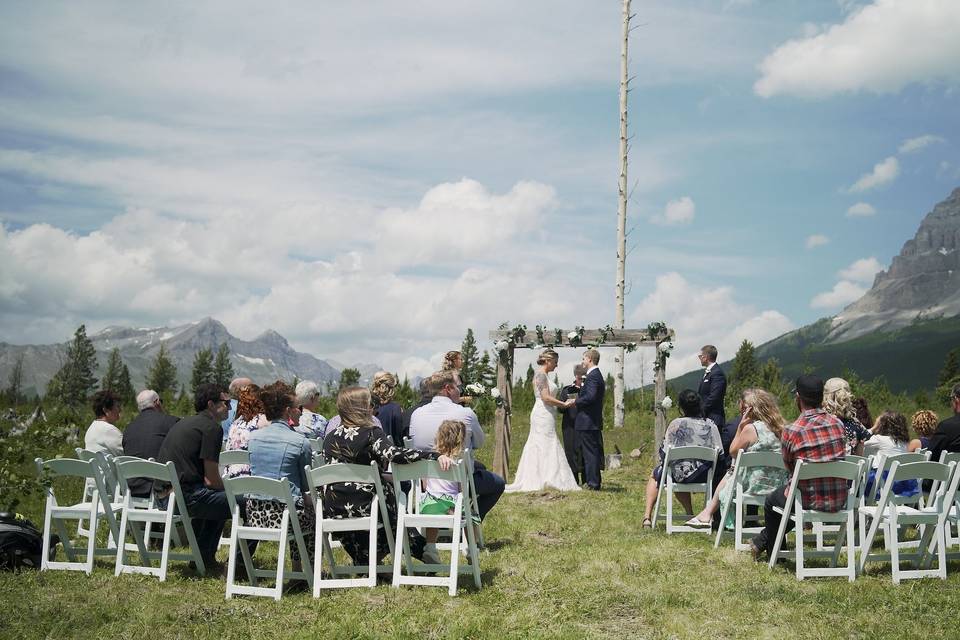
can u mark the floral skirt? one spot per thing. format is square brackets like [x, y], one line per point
[269, 513]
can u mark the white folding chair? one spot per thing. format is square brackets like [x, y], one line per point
[240, 532]
[90, 512]
[672, 455]
[468, 462]
[229, 457]
[317, 458]
[321, 477]
[872, 493]
[794, 509]
[889, 516]
[460, 522]
[821, 529]
[140, 512]
[738, 499]
[953, 517]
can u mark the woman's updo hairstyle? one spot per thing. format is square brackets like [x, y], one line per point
[547, 355]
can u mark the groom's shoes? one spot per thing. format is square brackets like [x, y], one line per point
[590, 487]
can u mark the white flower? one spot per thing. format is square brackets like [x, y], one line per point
[665, 347]
[475, 389]
[572, 335]
[666, 403]
[494, 393]
[501, 345]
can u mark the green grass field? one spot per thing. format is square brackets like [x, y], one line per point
[558, 565]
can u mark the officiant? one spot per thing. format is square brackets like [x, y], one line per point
[570, 448]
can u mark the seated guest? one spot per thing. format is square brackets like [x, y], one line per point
[250, 417]
[890, 438]
[102, 434]
[947, 435]
[277, 451]
[356, 440]
[815, 436]
[838, 400]
[235, 385]
[193, 445]
[145, 434]
[862, 409]
[312, 425]
[924, 423]
[426, 420]
[759, 430]
[388, 412]
[691, 429]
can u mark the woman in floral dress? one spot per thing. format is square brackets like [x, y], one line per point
[759, 430]
[357, 440]
[250, 417]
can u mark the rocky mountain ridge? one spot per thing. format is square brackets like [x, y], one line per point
[267, 357]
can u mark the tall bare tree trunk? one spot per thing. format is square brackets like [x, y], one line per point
[618, 382]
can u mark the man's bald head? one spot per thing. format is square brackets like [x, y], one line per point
[239, 383]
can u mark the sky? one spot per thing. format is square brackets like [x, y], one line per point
[371, 179]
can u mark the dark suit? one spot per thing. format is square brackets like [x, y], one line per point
[945, 438]
[712, 390]
[142, 438]
[570, 444]
[589, 425]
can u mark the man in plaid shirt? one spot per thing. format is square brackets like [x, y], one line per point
[816, 436]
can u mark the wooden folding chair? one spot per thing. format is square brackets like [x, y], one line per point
[888, 515]
[672, 455]
[738, 499]
[846, 517]
[379, 517]
[460, 522]
[240, 533]
[139, 512]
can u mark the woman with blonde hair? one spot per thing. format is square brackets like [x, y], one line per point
[358, 440]
[924, 423]
[390, 414]
[760, 427]
[838, 400]
[543, 462]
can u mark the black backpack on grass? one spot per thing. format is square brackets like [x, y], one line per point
[21, 543]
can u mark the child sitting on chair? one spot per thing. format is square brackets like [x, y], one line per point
[440, 496]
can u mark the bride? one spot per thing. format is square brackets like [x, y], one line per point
[543, 462]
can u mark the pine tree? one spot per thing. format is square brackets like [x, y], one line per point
[14, 390]
[771, 377]
[528, 380]
[486, 374]
[349, 378]
[222, 368]
[746, 370]
[202, 369]
[125, 387]
[75, 381]
[163, 375]
[111, 379]
[471, 359]
[951, 368]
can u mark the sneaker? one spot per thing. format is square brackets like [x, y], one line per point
[430, 555]
[756, 552]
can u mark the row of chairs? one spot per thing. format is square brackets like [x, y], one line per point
[935, 511]
[107, 499]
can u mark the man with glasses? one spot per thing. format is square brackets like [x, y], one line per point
[193, 444]
[425, 422]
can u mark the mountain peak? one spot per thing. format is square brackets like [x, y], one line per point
[271, 337]
[923, 281]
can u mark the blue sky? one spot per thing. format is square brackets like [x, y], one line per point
[370, 180]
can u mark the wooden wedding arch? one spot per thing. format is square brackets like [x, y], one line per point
[507, 340]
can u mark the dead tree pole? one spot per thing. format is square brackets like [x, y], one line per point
[618, 382]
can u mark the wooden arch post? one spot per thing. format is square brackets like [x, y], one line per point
[508, 340]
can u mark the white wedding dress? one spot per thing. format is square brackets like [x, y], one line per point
[543, 463]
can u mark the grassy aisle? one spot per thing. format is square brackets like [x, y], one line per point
[559, 565]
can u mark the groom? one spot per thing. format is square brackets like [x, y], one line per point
[589, 421]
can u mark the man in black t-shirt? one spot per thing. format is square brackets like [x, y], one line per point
[193, 444]
[145, 434]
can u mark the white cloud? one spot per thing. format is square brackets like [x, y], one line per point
[861, 210]
[879, 48]
[883, 173]
[842, 294]
[816, 240]
[702, 315]
[863, 270]
[916, 144]
[677, 212]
